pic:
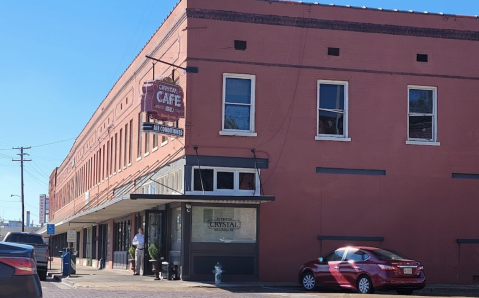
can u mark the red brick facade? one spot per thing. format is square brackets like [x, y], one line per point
[418, 200]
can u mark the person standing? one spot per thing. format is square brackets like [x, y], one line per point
[139, 241]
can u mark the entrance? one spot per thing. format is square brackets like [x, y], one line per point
[154, 234]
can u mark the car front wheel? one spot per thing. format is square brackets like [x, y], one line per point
[364, 285]
[308, 281]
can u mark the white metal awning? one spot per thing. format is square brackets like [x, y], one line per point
[131, 203]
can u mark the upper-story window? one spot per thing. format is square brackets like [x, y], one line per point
[332, 111]
[422, 115]
[231, 181]
[238, 104]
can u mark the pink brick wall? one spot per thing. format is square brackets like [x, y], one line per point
[417, 206]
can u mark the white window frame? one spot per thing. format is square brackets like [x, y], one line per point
[236, 191]
[237, 132]
[433, 141]
[328, 137]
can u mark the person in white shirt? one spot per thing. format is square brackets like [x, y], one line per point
[139, 241]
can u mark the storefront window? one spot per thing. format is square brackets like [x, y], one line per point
[224, 224]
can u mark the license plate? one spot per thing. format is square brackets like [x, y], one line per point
[407, 270]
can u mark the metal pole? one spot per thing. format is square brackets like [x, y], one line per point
[21, 177]
[23, 205]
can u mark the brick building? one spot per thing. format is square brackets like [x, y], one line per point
[306, 127]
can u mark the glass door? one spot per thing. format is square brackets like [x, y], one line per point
[154, 235]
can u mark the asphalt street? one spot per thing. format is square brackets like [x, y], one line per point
[53, 289]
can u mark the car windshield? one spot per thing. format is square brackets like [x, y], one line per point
[387, 255]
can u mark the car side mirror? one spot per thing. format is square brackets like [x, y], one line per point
[321, 259]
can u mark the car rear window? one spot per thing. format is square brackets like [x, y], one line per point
[387, 255]
[21, 238]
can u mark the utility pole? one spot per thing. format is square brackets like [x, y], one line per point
[21, 166]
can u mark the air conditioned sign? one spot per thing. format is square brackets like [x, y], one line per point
[164, 101]
[224, 224]
[162, 129]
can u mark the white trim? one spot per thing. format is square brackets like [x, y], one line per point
[236, 191]
[146, 154]
[434, 116]
[138, 158]
[252, 104]
[345, 134]
[164, 143]
[237, 133]
[154, 149]
[425, 143]
[339, 139]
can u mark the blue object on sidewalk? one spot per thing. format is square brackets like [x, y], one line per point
[66, 263]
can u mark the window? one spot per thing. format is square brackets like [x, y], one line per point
[130, 142]
[332, 111]
[234, 181]
[155, 138]
[139, 136]
[147, 138]
[205, 178]
[238, 104]
[120, 144]
[224, 224]
[335, 256]
[225, 180]
[356, 255]
[422, 114]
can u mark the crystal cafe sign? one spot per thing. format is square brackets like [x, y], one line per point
[163, 100]
[224, 224]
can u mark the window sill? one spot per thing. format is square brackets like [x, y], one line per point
[164, 143]
[138, 158]
[423, 143]
[146, 154]
[154, 149]
[338, 139]
[238, 133]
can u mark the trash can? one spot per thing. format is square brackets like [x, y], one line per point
[66, 263]
[165, 268]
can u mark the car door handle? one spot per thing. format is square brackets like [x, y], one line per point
[357, 267]
[336, 267]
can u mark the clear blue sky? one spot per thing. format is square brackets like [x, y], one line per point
[59, 59]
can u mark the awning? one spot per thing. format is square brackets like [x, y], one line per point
[131, 203]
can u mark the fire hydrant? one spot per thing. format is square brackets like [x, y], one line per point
[218, 272]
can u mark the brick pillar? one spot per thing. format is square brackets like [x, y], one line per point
[110, 240]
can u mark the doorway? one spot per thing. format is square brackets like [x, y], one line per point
[155, 222]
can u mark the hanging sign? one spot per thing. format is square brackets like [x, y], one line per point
[162, 129]
[163, 100]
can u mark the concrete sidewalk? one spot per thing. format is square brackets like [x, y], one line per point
[88, 277]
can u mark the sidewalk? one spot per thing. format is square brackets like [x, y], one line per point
[88, 277]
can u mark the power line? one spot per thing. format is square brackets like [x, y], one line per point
[53, 143]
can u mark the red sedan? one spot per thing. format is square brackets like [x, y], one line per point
[364, 269]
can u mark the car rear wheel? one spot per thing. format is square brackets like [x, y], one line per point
[405, 292]
[42, 275]
[364, 285]
[308, 281]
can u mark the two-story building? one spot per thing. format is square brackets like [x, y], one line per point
[306, 127]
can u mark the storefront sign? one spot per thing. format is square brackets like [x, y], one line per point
[42, 209]
[71, 236]
[224, 224]
[164, 101]
[162, 129]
